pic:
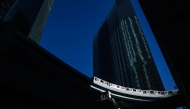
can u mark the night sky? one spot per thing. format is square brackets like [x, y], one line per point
[70, 29]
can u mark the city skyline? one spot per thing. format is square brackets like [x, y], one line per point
[61, 27]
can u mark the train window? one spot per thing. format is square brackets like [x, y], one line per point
[144, 92]
[107, 83]
[162, 93]
[151, 92]
[170, 92]
[101, 81]
[96, 79]
[122, 87]
[134, 90]
[113, 85]
[165, 92]
[175, 92]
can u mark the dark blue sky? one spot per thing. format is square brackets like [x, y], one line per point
[70, 29]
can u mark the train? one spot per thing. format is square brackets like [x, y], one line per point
[133, 91]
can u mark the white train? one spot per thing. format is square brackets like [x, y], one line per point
[133, 91]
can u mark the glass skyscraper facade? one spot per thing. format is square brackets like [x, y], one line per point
[120, 51]
[27, 16]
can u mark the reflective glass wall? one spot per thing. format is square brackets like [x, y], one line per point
[27, 16]
[121, 54]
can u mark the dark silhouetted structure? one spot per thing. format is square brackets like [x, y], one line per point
[27, 16]
[120, 51]
[31, 77]
[169, 21]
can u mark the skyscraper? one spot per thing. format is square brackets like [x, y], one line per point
[120, 51]
[170, 26]
[26, 16]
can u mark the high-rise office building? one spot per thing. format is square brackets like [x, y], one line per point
[120, 51]
[169, 21]
[26, 16]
